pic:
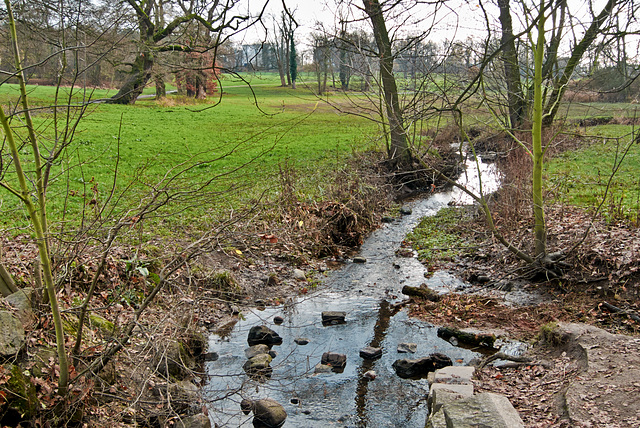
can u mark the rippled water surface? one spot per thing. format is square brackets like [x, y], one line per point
[366, 292]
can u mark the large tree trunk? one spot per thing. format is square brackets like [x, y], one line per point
[161, 89]
[515, 96]
[399, 151]
[135, 84]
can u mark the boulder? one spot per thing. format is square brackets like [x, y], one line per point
[254, 350]
[278, 320]
[405, 348]
[263, 335]
[260, 365]
[21, 301]
[482, 410]
[333, 318]
[12, 336]
[173, 361]
[335, 360]
[196, 421]
[406, 368]
[369, 352]
[301, 341]
[267, 413]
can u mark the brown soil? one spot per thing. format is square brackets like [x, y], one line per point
[583, 379]
[260, 261]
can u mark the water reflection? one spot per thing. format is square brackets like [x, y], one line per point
[367, 293]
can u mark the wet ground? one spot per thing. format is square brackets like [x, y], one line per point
[367, 293]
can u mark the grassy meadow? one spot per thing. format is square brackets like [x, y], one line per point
[251, 134]
[243, 138]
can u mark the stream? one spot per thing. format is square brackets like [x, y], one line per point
[366, 292]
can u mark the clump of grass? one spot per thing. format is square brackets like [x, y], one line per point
[223, 281]
[435, 238]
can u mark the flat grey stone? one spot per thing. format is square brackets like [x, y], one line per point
[486, 410]
[407, 348]
[369, 352]
[196, 421]
[21, 301]
[441, 393]
[454, 374]
[322, 368]
[333, 317]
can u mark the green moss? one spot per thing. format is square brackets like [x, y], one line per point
[21, 393]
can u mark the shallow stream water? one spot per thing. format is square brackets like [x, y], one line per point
[366, 292]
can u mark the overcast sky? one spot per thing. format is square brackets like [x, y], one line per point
[456, 20]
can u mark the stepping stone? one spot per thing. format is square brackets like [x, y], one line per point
[333, 359]
[301, 340]
[333, 318]
[369, 353]
[405, 348]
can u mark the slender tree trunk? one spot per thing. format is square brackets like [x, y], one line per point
[540, 229]
[399, 151]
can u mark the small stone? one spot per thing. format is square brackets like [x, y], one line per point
[333, 318]
[295, 401]
[405, 348]
[405, 211]
[359, 259]
[301, 340]
[211, 356]
[254, 350]
[263, 334]
[322, 368]
[299, 275]
[483, 278]
[387, 219]
[267, 413]
[235, 310]
[371, 375]
[369, 353]
[278, 320]
[335, 360]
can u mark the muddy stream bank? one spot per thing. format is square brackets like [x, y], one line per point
[366, 292]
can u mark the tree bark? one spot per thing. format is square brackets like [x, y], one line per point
[515, 96]
[540, 227]
[399, 151]
[7, 286]
[138, 79]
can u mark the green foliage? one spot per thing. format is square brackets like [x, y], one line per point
[435, 237]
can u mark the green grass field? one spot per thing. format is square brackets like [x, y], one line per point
[252, 134]
[255, 136]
